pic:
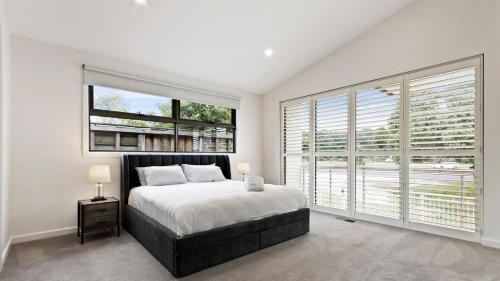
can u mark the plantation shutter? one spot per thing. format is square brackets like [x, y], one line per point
[442, 113]
[443, 159]
[378, 134]
[331, 149]
[404, 151]
[295, 144]
[377, 118]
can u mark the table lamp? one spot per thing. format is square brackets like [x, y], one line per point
[99, 174]
[243, 169]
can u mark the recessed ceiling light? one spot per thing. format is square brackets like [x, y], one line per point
[268, 52]
[140, 2]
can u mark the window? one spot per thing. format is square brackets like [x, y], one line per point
[110, 99]
[121, 120]
[377, 149]
[205, 139]
[377, 118]
[443, 136]
[205, 112]
[295, 118]
[405, 150]
[331, 150]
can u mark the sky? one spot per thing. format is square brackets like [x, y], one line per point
[136, 102]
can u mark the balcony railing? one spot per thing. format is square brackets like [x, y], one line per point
[457, 207]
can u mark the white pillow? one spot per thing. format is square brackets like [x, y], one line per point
[164, 175]
[203, 173]
[140, 173]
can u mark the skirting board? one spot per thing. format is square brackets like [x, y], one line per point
[5, 253]
[490, 242]
[42, 235]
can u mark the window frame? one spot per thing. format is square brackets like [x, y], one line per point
[347, 153]
[355, 153]
[404, 151]
[175, 120]
[309, 153]
[476, 152]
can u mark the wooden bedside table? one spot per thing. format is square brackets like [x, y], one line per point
[98, 216]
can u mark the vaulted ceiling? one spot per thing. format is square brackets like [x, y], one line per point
[220, 41]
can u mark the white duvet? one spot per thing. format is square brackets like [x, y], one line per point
[194, 207]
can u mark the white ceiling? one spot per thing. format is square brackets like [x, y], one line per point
[220, 41]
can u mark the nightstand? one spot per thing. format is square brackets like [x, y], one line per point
[98, 216]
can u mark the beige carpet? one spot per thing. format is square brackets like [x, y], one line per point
[333, 250]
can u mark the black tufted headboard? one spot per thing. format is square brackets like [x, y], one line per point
[130, 179]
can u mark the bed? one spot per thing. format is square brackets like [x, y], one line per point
[213, 238]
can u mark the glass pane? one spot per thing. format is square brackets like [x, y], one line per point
[377, 118]
[443, 191]
[442, 111]
[296, 128]
[114, 134]
[131, 102]
[378, 189]
[205, 112]
[205, 139]
[297, 173]
[331, 182]
[331, 123]
[120, 122]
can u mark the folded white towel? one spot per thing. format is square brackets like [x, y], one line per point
[254, 183]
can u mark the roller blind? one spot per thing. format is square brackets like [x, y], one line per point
[106, 78]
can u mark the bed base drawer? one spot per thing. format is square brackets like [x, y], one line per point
[283, 232]
[186, 255]
[187, 263]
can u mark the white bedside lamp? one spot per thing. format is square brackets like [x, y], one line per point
[243, 169]
[99, 174]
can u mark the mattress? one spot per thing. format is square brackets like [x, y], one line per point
[196, 207]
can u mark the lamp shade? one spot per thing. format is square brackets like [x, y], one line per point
[243, 168]
[99, 174]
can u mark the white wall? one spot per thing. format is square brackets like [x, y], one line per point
[426, 33]
[48, 169]
[4, 132]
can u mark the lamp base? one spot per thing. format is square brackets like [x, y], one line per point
[98, 198]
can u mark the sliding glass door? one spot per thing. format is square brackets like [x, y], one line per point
[331, 154]
[295, 144]
[404, 151]
[377, 150]
[444, 158]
